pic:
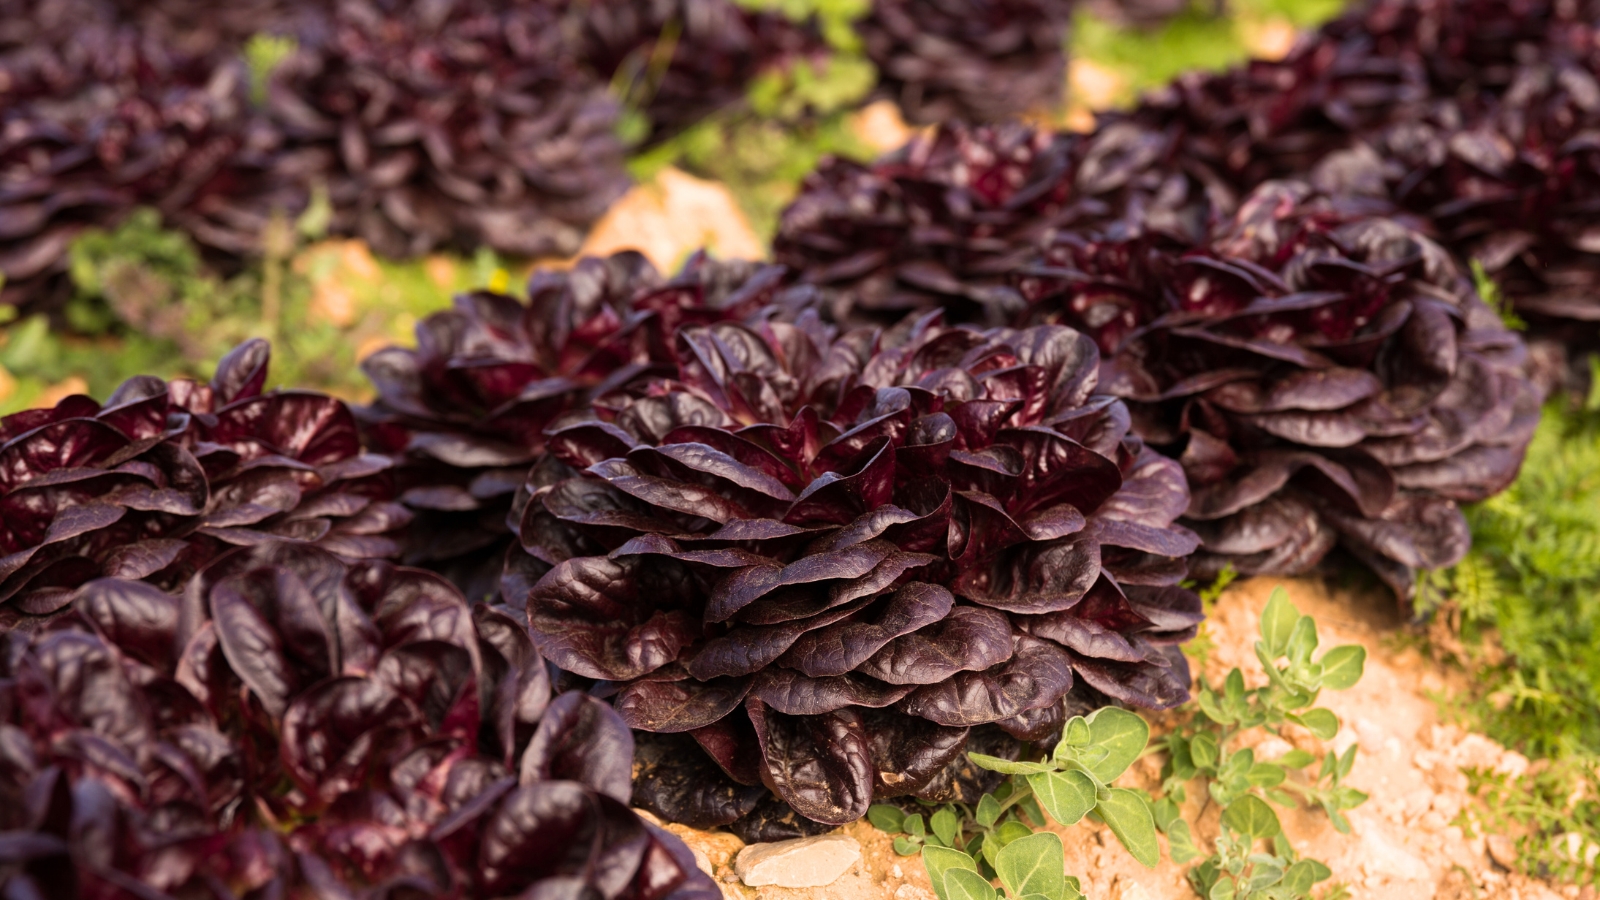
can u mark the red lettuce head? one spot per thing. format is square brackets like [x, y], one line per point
[978, 62]
[831, 561]
[1477, 116]
[466, 409]
[165, 476]
[682, 60]
[296, 725]
[1325, 376]
[465, 124]
[1511, 183]
[99, 120]
[942, 222]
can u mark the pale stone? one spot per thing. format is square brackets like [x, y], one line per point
[701, 861]
[800, 863]
[671, 217]
[1128, 889]
[1271, 747]
[1503, 851]
[1383, 857]
[912, 892]
[880, 126]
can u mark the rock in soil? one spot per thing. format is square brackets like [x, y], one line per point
[800, 863]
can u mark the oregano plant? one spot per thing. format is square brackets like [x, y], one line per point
[1207, 751]
[1075, 781]
[1032, 867]
[997, 838]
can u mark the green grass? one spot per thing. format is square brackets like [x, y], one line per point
[145, 304]
[1197, 40]
[1532, 585]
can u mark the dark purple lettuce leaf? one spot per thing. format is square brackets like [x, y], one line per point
[687, 786]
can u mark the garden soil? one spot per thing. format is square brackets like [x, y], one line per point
[1410, 762]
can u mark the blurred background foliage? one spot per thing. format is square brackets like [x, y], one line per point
[145, 303]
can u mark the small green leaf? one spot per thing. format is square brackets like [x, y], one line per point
[914, 825]
[1342, 666]
[1203, 749]
[1007, 766]
[1181, 760]
[1267, 873]
[1302, 641]
[1347, 761]
[1034, 811]
[1076, 734]
[1035, 864]
[1239, 762]
[988, 810]
[1212, 709]
[1295, 759]
[1165, 811]
[1265, 775]
[1122, 734]
[1284, 799]
[1251, 816]
[1320, 722]
[1128, 815]
[1348, 798]
[945, 824]
[906, 846]
[1340, 823]
[1300, 877]
[1180, 843]
[961, 884]
[990, 849]
[1222, 890]
[1233, 690]
[886, 818]
[1278, 621]
[1066, 796]
[1010, 831]
[940, 862]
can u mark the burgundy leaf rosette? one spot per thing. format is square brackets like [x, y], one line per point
[94, 120]
[465, 410]
[679, 61]
[944, 221]
[980, 62]
[165, 476]
[832, 561]
[1325, 376]
[1511, 183]
[460, 124]
[1478, 116]
[298, 726]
